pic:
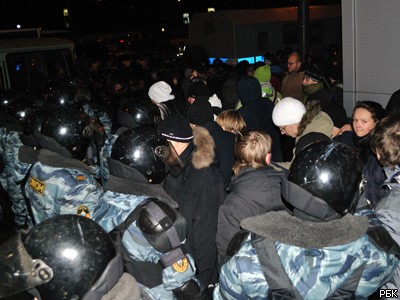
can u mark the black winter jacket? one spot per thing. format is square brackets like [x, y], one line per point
[199, 191]
[253, 192]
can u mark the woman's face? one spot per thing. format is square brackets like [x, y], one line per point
[363, 123]
[290, 130]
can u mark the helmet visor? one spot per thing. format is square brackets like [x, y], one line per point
[18, 271]
[170, 158]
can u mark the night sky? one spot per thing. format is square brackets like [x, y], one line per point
[100, 16]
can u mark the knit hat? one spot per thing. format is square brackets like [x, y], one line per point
[200, 112]
[288, 111]
[314, 73]
[176, 128]
[160, 92]
[198, 89]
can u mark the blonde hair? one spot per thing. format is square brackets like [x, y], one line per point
[231, 120]
[251, 150]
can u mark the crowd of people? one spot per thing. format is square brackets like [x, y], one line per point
[144, 179]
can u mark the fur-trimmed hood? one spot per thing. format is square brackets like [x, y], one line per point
[204, 148]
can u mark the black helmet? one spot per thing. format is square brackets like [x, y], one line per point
[32, 125]
[64, 257]
[330, 171]
[68, 96]
[6, 97]
[20, 108]
[139, 113]
[68, 130]
[162, 226]
[144, 150]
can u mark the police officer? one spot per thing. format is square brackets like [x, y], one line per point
[134, 113]
[23, 154]
[137, 207]
[322, 250]
[62, 180]
[65, 257]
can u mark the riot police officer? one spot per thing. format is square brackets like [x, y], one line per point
[321, 250]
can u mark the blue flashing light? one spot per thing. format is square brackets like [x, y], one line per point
[17, 67]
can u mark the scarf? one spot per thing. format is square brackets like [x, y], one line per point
[312, 89]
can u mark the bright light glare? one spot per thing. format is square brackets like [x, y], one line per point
[69, 253]
[324, 177]
[18, 26]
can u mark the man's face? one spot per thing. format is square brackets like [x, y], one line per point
[308, 81]
[293, 65]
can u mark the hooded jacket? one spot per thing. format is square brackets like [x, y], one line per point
[253, 192]
[199, 192]
[257, 112]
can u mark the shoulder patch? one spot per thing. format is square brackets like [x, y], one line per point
[37, 185]
[83, 211]
[181, 265]
[80, 177]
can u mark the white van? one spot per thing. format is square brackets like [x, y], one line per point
[27, 62]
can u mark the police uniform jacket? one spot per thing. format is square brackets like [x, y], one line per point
[317, 257]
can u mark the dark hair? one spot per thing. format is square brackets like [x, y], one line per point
[393, 106]
[385, 140]
[376, 110]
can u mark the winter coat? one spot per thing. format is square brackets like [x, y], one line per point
[199, 192]
[114, 207]
[388, 212]
[253, 192]
[317, 257]
[58, 185]
[257, 112]
[373, 171]
[225, 149]
[320, 123]
[292, 86]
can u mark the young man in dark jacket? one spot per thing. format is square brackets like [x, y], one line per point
[198, 189]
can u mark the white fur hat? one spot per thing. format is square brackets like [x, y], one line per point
[288, 111]
[160, 92]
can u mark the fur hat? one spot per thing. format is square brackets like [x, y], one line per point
[288, 111]
[200, 112]
[176, 128]
[160, 92]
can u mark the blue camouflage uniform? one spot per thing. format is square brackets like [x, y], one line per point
[388, 212]
[16, 170]
[114, 207]
[58, 185]
[105, 153]
[315, 272]
[99, 115]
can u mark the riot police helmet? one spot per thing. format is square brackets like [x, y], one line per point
[144, 150]
[65, 257]
[139, 112]
[163, 226]
[69, 96]
[68, 132]
[330, 171]
[19, 109]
